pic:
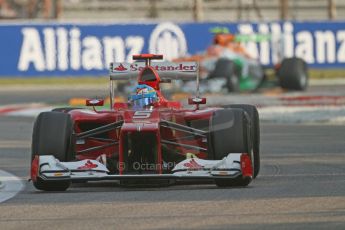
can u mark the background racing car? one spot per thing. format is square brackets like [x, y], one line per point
[226, 64]
[149, 139]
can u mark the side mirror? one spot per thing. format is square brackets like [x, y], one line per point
[196, 101]
[94, 102]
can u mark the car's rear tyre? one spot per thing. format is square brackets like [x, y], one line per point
[65, 109]
[253, 113]
[229, 133]
[52, 135]
[225, 68]
[293, 74]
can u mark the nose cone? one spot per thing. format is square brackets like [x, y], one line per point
[140, 127]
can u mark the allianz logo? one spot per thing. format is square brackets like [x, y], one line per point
[314, 46]
[168, 38]
[65, 49]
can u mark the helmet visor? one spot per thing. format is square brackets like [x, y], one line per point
[143, 102]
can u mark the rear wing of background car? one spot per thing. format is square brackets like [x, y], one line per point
[165, 70]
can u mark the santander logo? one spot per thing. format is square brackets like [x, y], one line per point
[120, 68]
[167, 67]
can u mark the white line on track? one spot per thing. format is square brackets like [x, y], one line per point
[327, 114]
[304, 175]
[10, 185]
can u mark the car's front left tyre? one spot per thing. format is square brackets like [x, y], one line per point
[230, 132]
[253, 114]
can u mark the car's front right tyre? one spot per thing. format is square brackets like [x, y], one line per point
[52, 135]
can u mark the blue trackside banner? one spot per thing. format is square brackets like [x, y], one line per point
[54, 49]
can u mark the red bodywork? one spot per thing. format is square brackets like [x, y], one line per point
[152, 126]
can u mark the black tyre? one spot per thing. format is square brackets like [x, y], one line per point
[293, 74]
[65, 109]
[52, 186]
[255, 133]
[52, 135]
[227, 69]
[229, 133]
[241, 182]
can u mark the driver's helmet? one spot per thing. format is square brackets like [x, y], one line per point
[143, 96]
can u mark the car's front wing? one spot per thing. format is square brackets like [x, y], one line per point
[48, 168]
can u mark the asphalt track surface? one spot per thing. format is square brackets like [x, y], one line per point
[61, 95]
[301, 186]
[46, 95]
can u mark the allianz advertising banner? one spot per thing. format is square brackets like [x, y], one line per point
[87, 49]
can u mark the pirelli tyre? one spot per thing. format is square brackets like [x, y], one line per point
[225, 68]
[253, 114]
[229, 132]
[293, 74]
[52, 135]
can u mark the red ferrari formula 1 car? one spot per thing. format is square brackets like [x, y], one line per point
[149, 139]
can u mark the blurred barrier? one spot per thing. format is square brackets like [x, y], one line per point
[53, 49]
